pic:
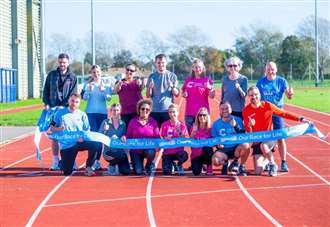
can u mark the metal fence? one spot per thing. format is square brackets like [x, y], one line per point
[8, 82]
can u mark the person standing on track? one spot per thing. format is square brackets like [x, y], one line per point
[258, 117]
[96, 93]
[71, 119]
[226, 125]
[272, 88]
[59, 85]
[129, 91]
[161, 88]
[196, 89]
[173, 128]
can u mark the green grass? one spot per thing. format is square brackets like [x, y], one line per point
[312, 98]
[28, 102]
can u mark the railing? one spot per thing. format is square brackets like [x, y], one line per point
[8, 82]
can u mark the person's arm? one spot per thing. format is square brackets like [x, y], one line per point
[150, 86]
[46, 92]
[282, 113]
[118, 86]
[173, 86]
[240, 90]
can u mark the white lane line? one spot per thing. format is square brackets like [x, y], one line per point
[186, 194]
[256, 204]
[24, 159]
[309, 169]
[13, 140]
[151, 216]
[46, 199]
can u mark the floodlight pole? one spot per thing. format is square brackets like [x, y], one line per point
[42, 43]
[92, 32]
[316, 48]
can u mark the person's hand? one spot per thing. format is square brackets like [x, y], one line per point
[46, 107]
[220, 146]
[106, 126]
[237, 85]
[185, 94]
[232, 122]
[139, 82]
[208, 85]
[102, 88]
[151, 84]
[303, 120]
[90, 87]
[123, 139]
[289, 92]
[113, 137]
[252, 122]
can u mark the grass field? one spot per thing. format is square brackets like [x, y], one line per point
[306, 95]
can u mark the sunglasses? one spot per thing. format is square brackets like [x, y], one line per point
[145, 109]
[202, 115]
[231, 66]
[130, 70]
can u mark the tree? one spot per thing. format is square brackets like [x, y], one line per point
[122, 58]
[257, 45]
[295, 56]
[306, 30]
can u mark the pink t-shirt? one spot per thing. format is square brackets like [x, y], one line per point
[129, 95]
[198, 94]
[137, 130]
[202, 133]
[168, 129]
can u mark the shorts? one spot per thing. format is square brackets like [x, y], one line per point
[257, 150]
[278, 122]
[229, 151]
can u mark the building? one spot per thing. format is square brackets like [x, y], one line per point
[20, 44]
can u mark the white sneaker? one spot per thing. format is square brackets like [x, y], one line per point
[89, 172]
[55, 165]
[97, 165]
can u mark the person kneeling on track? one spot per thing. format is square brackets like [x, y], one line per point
[258, 117]
[115, 128]
[72, 119]
[228, 124]
[173, 128]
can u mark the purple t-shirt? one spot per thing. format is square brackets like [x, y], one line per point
[168, 129]
[129, 95]
[198, 94]
[137, 130]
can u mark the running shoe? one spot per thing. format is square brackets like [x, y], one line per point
[224, 170]
[180, 170]
[284, 166]
[272, 170]
[233, 167]
[89, 172]
[242, 171]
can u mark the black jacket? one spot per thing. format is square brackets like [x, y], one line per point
[57, 92]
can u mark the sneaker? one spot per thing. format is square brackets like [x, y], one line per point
[89, 172]
[284, 166]
[150, 169]
[111, 171]
[56, 165]
[266, 167]
[233, 167]
[209, 170]
[224, 170]
[180, 170]
[97, 165]
[242, 171]
[272, 170]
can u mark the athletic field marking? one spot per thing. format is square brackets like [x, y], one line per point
[184, 194]
[13, 140]
[309, 169]
[315, 111]
[24, 159]
[256, 204]
[46, 199]
[148, 196]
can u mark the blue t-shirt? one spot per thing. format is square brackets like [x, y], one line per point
[162, 96]
[272, 90]
[221, 128]
[76, 121]
[96, 99]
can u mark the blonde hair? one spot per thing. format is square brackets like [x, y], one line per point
[196, 61]
[208, 123]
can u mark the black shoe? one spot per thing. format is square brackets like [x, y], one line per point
[242, 171]
[224, 170]
[234, 166]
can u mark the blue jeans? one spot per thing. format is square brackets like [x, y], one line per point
[189, 120]
[117, 157]
[137, 160]
[95, 120]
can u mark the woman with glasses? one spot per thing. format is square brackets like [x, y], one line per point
[129, 92]
[143, 126]
[234, 86]
[201, 130]
[96, 94]
[196, 89]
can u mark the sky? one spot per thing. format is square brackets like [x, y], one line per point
[221, 20]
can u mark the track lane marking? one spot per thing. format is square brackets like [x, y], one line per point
[23, 159]
[186, 194]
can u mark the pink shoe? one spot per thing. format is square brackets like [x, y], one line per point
[209, 170]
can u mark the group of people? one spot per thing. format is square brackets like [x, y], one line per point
[156, 116]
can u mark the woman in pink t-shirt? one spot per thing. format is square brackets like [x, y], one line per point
[201, 130]
[129, 92]
[197, 88]
[143, 126]
[173, 128]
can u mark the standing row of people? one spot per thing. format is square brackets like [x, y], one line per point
[162, 87]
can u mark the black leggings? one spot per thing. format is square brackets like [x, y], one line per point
[167, 160]
[198, 162]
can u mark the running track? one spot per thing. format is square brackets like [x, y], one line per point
[32, 195]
